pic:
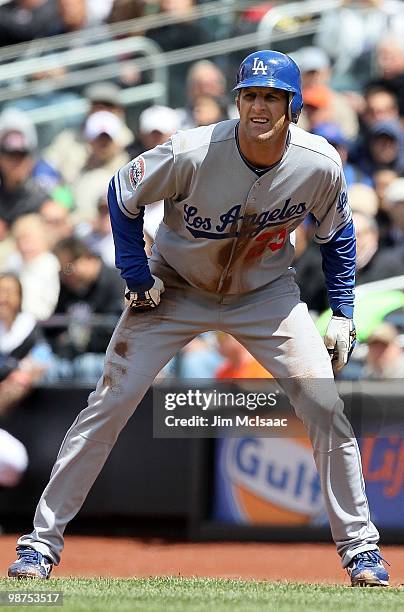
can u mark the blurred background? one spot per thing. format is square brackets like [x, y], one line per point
[86, 85]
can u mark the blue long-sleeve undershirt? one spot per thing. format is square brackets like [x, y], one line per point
[339, 258]
[130, 256]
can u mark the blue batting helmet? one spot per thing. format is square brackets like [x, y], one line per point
[273, 69]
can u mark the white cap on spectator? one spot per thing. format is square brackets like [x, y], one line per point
[395, 192]
[17, 131]
[311, 58]
[103, 122]
[104, 92]
[158, 119]
[13, 459]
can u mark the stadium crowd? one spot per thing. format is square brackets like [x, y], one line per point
[60, 294]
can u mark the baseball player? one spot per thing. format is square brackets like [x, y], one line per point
[233, 194]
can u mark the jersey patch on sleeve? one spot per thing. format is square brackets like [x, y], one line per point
[137, 171]
[342, 206]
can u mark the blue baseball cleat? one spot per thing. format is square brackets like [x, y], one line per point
[30, 564]
[366, 569]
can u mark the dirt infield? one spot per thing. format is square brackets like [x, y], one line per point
[90, 556]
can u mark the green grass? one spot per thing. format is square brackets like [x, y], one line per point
[205, 595]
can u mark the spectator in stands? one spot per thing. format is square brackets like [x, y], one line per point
[37, 267]
[88, 288]
[156, 125]
[392, 262]
[334, 135]
[73, 14]
[98, 237]
[106, 95]
[57, 221]
[382, 179]
[24, 355]
[385, 359]
[394, 207]
[208, 110]
[380, 104]
[390, 64]
[23, 20]
[350, 32]
[106, 136]
[382, 149]
[98, 12]
[318, 106]
[314, 64]
[394, 199]
[13, 460]
[122, 10]
[239, 363]
[200, 358]
[372, 263]
[69, 151]
[316, 71]
[362, 198]
[18, 121]
[309, 274]
[380, 108]
[7, 245]
[20, 193]
[178, 36]
[204, 78]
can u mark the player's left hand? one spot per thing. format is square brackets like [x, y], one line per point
[145, 300]
[340, 339]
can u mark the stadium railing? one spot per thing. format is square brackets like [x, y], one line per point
[96, 53]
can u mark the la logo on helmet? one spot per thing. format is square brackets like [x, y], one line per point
[259, 66]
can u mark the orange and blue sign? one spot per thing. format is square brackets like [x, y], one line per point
[267, 481]
[274, 481]
[383, 469]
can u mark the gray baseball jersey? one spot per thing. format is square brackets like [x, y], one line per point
[211, 196]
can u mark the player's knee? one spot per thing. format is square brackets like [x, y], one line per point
[326, 423]
[315, 399]
[110, 405]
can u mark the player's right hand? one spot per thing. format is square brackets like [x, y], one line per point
[340, 339]
[145, 300]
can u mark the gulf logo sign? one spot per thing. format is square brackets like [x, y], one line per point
[268, 481]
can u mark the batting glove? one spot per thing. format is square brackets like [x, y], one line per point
[145, 300]
[340, 339]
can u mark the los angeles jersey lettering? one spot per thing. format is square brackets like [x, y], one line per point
[236, 226]
[230, 226]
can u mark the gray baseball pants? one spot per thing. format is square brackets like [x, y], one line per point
[276, 328]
